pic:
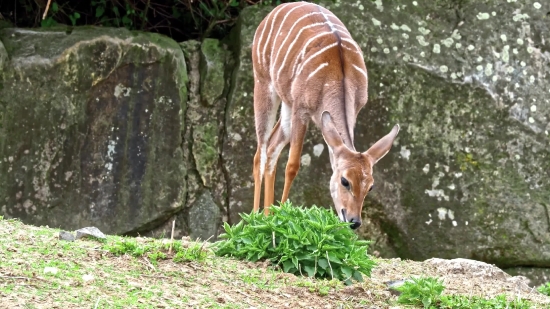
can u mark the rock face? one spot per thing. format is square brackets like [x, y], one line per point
[468, 83]
[91, 128]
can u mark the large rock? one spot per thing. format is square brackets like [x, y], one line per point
[91, 126]
[209, 65]
[469, 173]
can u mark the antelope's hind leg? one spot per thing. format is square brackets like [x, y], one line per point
[265, 111]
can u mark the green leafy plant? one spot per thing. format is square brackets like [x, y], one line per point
[194, 252]
[421, 291]
[427, 292]
[309, 241]
[544, 289]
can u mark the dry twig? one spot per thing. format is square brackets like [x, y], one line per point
[46, 10]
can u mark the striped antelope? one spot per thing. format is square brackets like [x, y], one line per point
[304, 57]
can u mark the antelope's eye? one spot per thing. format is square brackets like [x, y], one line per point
[371, 187]
[345, 183]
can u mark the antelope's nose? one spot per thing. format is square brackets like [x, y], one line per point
[355, 223]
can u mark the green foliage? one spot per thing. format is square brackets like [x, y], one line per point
[544, 289]
[194, 252]
[475, 302]
[179, 19]
[300, 240]
[421, 292]
[156, 250]
[426, 292]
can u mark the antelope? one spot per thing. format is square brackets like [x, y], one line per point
[305, 61]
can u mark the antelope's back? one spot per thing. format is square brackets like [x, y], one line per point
[302, 39]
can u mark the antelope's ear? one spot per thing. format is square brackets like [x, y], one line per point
[382, 146]
[331, 136]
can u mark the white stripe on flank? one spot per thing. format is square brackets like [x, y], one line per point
[269, 35]
[322, 50]
[353, 43]
[281, 26]
[273, 61]
[330, 24]
[294, 42]
[261, 37]
[304, 48]
[342, 28]
[353, 50]
[361, 71]
[324, 64]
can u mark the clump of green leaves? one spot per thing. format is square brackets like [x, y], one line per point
[426, 292]
[156, 250]
[310, 241]
[544, 289]
[421, 292]
[195, 252]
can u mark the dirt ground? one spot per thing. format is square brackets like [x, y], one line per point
[37, 270]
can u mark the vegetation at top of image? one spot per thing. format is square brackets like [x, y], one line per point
[426, 292]
[179, 19]
[310, 241]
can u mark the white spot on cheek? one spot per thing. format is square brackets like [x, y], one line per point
[429, 221]
[454, 223]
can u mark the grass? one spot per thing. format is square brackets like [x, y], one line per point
[37, 270]
[426, 292]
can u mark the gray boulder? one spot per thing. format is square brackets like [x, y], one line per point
[91, 128]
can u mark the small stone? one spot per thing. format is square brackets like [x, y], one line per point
[89, 231]
[87, 278]
[63, 235]
[50, 270]
[393, 285]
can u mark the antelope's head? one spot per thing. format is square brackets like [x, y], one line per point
[352, 177]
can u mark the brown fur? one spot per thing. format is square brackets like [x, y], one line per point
[304, 56]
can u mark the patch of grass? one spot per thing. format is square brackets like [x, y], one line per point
[475, 302]
[426, 292]
[421, 292]
[309, 241]
[155, 249]
[544, 289]
[195, 252]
